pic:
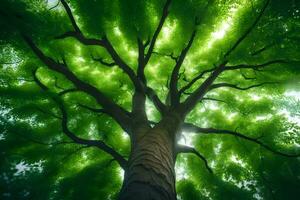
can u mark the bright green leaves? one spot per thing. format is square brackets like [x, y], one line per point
[31, 122]
[100, 17]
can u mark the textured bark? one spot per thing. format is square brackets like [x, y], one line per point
[150, 173]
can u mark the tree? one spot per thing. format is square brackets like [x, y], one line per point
[147, 83]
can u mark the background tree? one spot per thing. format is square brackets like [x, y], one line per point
[92, 90]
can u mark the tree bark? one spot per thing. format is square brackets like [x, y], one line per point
[150, 173]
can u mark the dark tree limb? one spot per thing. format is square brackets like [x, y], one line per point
[191, 101]
[162, 20]
[77, 32]
[81, 38]
[220, 85]
[160, 106]
[104, 42]
[95, 143]
[174, 76]
[141, 61]
[187, 149]
[120, 62]
[195, 129]
[70, 15]
[175, 73]
[212, 99]
[115, 111]
[248, 31]
[194, 97]
[55, 6]
[199, 93]
[139, 97]
[198, 77]
[78, 140]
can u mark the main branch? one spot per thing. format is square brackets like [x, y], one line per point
[139, 98]
[157, 31]
[187, 149]
[195, 129]
[103, 42]
[78, 140]
[174, 76]
[199, 93]
[115, 111]
[192, 100]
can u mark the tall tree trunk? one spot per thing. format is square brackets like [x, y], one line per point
[150, 173]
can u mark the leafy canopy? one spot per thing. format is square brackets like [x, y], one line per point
[40, 162]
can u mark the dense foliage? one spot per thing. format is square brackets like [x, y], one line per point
[261, 101]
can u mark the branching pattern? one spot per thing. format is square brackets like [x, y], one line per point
[193, 128]
[187, 149]
[176, 108]
[78, 140]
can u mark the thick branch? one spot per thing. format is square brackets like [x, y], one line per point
[104, 42]
[112, 52]
[206, 85]
[81, 38]
[95, 143]
[160, 106]
[138, 80]
[157, 31]
[202, 89]
[143, 58]
[77, 32]
[115, 111]
[193, 128]
[119, 61]
[186, 149]
[141, 61]
[199, 93]
[70, 15]
[174, 76]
